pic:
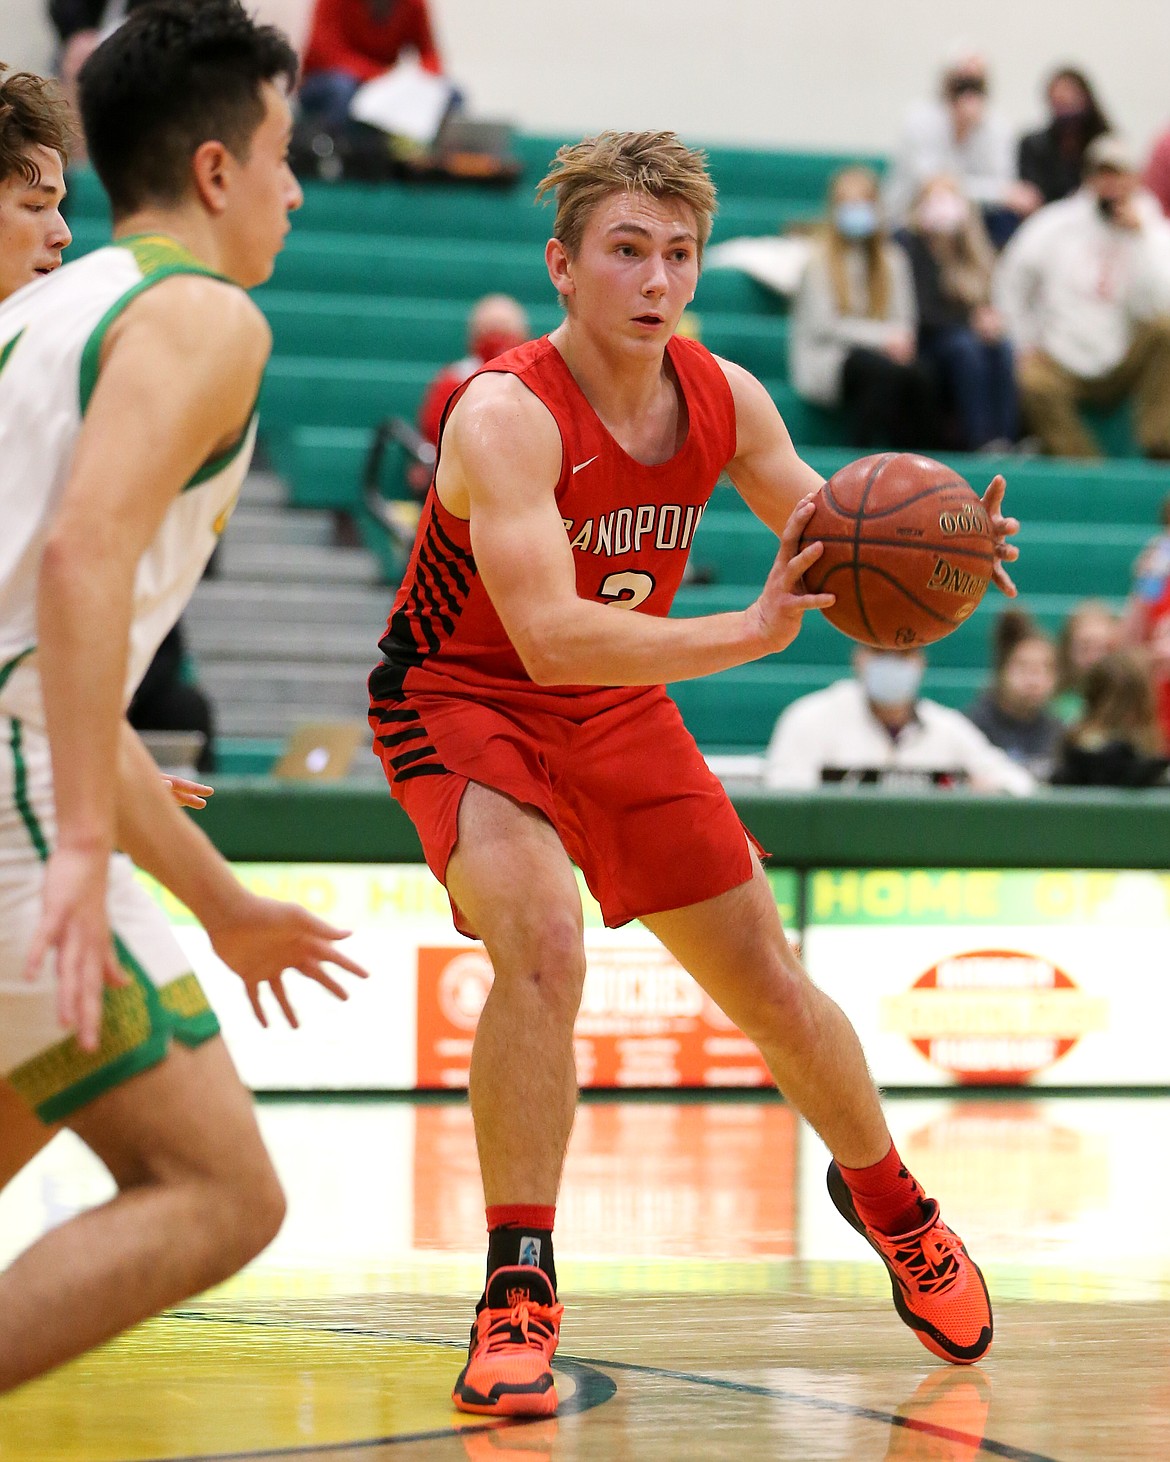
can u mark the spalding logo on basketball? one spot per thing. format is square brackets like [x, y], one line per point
[909, 550]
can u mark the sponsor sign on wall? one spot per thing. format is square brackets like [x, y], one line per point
[643, 1021]
[972, 977]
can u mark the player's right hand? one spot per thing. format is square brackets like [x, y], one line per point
[262, 938]
[74, 926]
[783, 601]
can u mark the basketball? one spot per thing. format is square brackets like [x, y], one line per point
[909, 550]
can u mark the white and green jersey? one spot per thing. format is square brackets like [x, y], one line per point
[51, 334]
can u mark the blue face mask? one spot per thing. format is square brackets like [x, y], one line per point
[856, 220]
[892, 680]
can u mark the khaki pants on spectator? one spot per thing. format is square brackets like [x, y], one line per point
[1050, 395]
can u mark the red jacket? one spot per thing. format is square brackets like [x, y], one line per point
[365, 37]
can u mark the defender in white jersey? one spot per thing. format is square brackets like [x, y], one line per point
[127, 389]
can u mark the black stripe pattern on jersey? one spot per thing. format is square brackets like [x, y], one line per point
[442, 579]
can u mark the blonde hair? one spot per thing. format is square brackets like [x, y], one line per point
[966, 259]
[1119, 701]
[654, 163]
[877, 270]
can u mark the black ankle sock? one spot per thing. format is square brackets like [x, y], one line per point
[508, 1245]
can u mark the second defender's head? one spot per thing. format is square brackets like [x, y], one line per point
[34, 151]
[185, 108]
[634, 212]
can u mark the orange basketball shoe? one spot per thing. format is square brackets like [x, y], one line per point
[513, 1341]
[938, 1289]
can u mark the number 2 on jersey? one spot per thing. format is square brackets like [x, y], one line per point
[627, 590]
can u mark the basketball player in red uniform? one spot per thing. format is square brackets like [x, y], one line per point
[521, 718]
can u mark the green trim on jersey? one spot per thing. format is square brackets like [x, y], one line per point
[139, 1021]
[159, 257]
[20, 792]
[9, 666]
[10, 347]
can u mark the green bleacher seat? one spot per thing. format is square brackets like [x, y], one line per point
[1054, 558]
[737, 170]
[322, 464]
[312, 390]
[738, 708]
[375, 327]
[1040, 489]
[391, 328]
[818, 643]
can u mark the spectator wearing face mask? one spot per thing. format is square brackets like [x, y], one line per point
[1052, 159]
[959, 330]
[497, 323]
[962, 135]
[1085, 290]
[853, 340]
[876, 728]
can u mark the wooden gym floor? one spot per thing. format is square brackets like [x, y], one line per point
[716, 1305]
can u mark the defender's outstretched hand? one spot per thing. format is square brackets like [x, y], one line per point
[783, 602]
[1003, 528]
[263, 938]
[188, 794]
[74, 925]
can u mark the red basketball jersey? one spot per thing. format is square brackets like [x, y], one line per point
[630, 528]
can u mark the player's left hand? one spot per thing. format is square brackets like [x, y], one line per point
[261, 939]
[1003, 528]
[188, 794]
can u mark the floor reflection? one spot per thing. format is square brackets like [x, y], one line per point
[716, 1304]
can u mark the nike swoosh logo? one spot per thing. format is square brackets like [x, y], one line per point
[580, 465]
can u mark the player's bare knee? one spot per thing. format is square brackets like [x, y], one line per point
[548, 960]
[267, 1207]
[782, 1013]
[245, 1212]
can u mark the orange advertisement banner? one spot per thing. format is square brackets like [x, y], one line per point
[643, 1021]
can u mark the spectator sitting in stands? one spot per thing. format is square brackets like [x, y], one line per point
[81, 26]
[1085, 290]
[497, 323]
[1052, 159]
[351, 42]
[852, 342]
[1147, 616]
[1089, 633]
[1116, 743]
[1014, 712]
[959, 330]
[961, 135]
[876, 728]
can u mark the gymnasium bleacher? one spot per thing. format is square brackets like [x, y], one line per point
[370, 298]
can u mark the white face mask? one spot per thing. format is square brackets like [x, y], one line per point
[892, 680]
[942, 212]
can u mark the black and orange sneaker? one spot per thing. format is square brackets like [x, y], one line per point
[513, 1341]
[938, 1289]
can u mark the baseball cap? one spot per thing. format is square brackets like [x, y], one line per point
[1110, 151]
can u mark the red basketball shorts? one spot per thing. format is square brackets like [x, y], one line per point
[634, 804]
